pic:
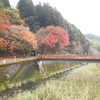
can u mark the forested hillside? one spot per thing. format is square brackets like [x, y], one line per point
[94, 44]
[4, 4]
[29, 29]
[94, 41]
[93, 37]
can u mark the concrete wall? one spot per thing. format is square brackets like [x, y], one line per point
[31, 69]
[7, 71]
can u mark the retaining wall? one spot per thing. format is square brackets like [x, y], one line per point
[31, 69]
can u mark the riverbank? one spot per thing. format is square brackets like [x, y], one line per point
[82, 84]
[32, 83]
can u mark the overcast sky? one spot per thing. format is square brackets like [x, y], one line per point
[84, 14]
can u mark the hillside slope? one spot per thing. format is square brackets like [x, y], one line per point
[93, 37]
[94, 44]
[44, 15]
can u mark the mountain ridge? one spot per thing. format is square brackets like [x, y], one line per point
[93, 37]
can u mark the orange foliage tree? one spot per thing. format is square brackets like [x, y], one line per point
[3, 43]
[20, 40]
[4, 18]
[30, 38]
[53, 39]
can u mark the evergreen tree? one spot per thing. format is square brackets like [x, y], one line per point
[48, 15]
[26, 8]
[6, 3]
[1, 1]
[1, 6]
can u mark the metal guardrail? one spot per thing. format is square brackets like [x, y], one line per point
[70, 58]
[90, 56]
[6, 61]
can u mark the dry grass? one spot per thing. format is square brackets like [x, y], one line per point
[83, 84]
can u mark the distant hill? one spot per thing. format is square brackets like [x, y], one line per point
[93, 37]
[94, 44]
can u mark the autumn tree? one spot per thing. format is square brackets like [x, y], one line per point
[17, 41]
[21, 40]
[53, 39]
[30, 38]
[3, 43]
[14, 15]
[3, 26]
[3, 46]
[4, 18]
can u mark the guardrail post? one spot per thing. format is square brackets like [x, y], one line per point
[15, 58]
[4, 61]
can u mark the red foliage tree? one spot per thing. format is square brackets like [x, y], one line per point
[3, 26]
[4, 19]
[54, 38]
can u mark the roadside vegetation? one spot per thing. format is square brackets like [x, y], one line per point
[82, 84]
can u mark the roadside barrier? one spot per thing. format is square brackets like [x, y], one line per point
[70, 56]
[91, 56]
[16, 59]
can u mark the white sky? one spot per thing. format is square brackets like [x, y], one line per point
[84, 14]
